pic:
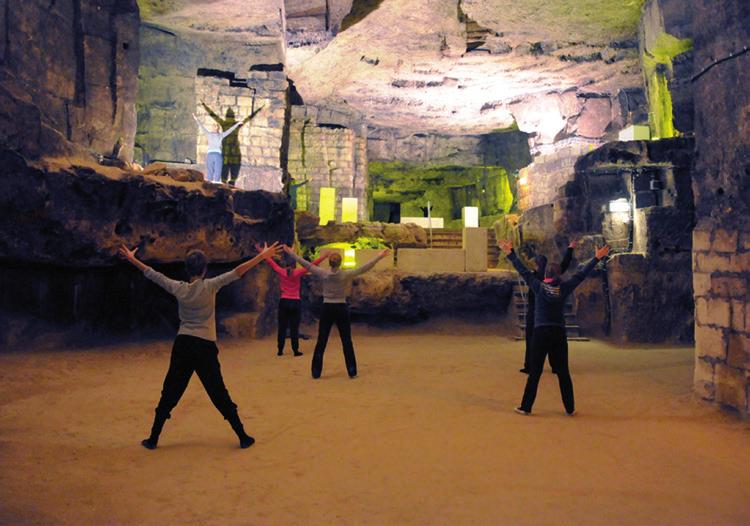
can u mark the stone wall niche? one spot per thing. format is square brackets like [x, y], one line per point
[257, 147]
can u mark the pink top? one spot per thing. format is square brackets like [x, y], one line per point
[290, 283]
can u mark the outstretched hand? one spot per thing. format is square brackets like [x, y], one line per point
[125, 253]
[505, 245]
[602, 252]
[270, 251]
[384, 253]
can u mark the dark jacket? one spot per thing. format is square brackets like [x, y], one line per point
[549, 308]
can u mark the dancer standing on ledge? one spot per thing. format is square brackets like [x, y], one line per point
[335, 310]
[194, 349]
[290, 304]
[214, 157]
[549, 325]
[541, 265]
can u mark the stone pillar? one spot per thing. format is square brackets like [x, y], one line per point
[721, 185]
[474, 244]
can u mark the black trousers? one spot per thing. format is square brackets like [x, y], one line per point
[337, 313]
[552, 342]
[229, 173]
[290, 313]
[191, 354]
[530, 316]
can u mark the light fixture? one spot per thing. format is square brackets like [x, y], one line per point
[350, 258]
[621, 205]
[470, 216]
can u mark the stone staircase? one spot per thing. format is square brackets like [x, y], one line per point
[452, 238]
[573, 330]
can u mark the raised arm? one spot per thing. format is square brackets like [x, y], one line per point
[314, 269]
[160, 279]
[231, 129]
[568, 257]
[579, 276]
[529, 277]
[211, 113]
[369, 265]
[253, 114]
[200, 125]
[271, 263]
[268, 252]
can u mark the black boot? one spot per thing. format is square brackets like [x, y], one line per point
[245, 440]
[153, 439]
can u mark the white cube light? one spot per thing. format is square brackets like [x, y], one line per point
[470, 215]
[619, 205]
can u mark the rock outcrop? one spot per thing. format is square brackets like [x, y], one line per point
[79, 215]
[398, 296]
[68, 74]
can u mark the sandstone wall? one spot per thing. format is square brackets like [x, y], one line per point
[328, 148]
[508, 148]
[68, 71]
[540, 181]
[260, 141]
[721, 240]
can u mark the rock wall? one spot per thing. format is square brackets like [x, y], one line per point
[667, 61]
[507, 148]
[68, 71]
[721, 240]
[645, 294]
[398, 296]
[58, 244]
[328, 148]
[540, 181]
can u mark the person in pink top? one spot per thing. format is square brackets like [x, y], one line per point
[290, 304]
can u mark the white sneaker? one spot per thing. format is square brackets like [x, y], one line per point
[522, 412]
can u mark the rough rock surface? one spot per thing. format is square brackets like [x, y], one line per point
[311, 234]
[398, 296]
[422, 65]
[68, 73]
[78, 216]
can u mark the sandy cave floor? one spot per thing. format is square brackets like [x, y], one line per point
[426, 435]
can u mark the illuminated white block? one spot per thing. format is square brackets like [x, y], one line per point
[350, 260]
[327, 206]
[470, 215]
[424, 222]
[619, 205]
[635, 132]
[349, 210]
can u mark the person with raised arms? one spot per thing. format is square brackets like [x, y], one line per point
[194, 348]
[549, 337]
[335, 309]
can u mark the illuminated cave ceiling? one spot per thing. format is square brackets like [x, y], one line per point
[406, 64]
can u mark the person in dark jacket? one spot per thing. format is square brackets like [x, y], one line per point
[541, 265]
[549, 336]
